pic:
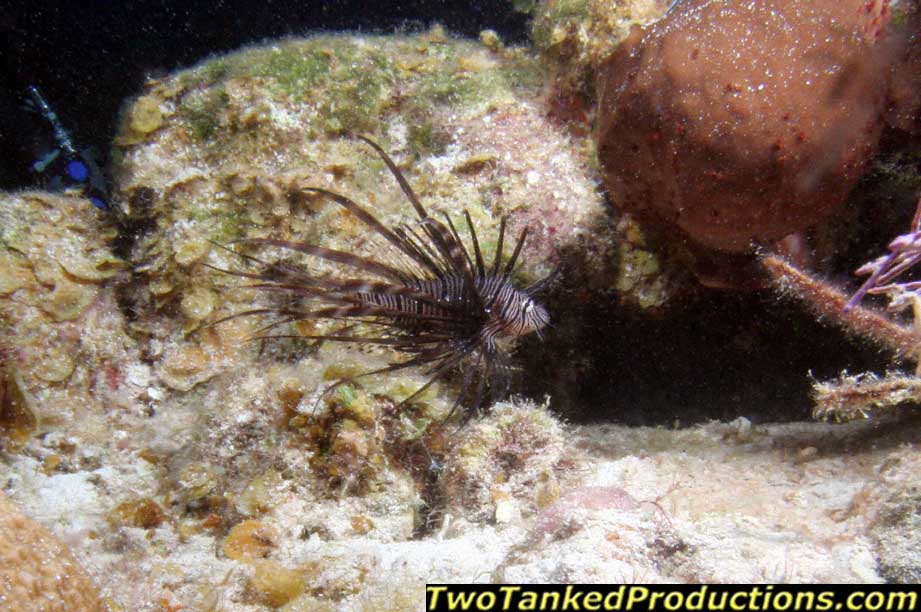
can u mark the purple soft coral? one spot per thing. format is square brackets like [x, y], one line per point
[904, 253]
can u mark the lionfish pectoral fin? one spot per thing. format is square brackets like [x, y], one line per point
[355, 261]
[237, 315]
[243, 256]
[384, 370]
[447, 364]
[270, 272]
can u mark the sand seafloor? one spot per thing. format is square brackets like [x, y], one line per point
[186, 468]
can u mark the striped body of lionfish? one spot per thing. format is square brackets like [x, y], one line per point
[439, 305]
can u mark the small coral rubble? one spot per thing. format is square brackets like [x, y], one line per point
[507, 464]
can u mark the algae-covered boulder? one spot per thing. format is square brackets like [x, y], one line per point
[222, 151]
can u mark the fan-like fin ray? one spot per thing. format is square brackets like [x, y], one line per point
[368, 219]
[355, 261]
[498, 260]
[404, 184]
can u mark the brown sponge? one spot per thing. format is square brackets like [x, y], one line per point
[738, 122]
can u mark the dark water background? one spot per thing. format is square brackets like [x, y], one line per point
[88, 56]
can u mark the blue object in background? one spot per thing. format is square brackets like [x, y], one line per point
[78, 171]
[62, 166]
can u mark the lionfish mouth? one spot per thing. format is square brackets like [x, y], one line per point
[442, 305]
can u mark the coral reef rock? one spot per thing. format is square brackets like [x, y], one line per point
[575, 36]
[742, 122]
[240, 135]
[63, 335]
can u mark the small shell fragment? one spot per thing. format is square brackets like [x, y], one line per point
[143, 513]
[198, 303]
[98, 266]
[276, 584]
[161, 286]
[190, 251]
[198, 481]
[146, 115]
[68, 300]
[249, 540]
[55, 366]
[475, 164]
[258, 495]
[490, 39]
[187, 361]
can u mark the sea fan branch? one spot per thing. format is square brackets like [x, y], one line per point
[828, 303]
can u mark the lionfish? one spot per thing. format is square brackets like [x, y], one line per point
[437, 304]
